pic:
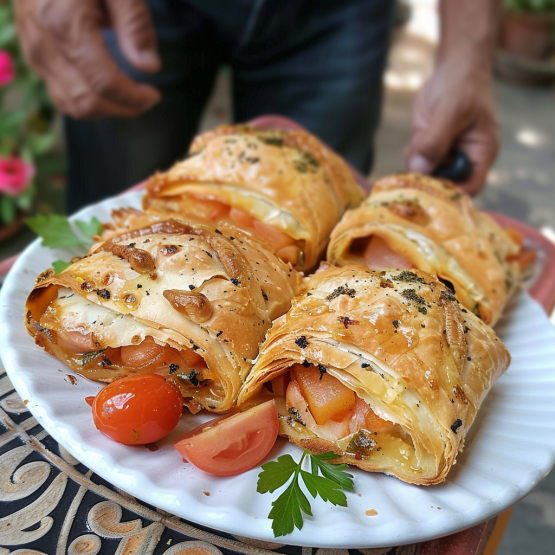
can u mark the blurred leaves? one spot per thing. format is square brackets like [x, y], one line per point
[531, 6]
[27, 118]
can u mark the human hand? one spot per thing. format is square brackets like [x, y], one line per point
[62, 41]
[454, 109]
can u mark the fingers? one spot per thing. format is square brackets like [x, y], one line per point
[431, 142]
[63, 42]
[481, 145]
[134, 28]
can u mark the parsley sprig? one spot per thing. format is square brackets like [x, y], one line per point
[287, 510]
[58, 232]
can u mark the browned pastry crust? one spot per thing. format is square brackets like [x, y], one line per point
[183, 284]
[287, 179]
[406, 346]
[438, 229]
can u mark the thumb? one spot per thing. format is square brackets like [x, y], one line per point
[132, 22]
[430, 144]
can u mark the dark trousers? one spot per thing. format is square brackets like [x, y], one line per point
[319, 62]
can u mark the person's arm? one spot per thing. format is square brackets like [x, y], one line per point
[62, 41]
[455, 107]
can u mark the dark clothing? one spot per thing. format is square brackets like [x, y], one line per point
[318, 62]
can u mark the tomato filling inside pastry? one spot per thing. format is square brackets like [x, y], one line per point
[214, 211]
[325, 407]
[81, 333]
[377, 255]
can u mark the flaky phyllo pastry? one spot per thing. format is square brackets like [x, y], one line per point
[413, 221]
[284, 187]
[173, 298]
[387, 369]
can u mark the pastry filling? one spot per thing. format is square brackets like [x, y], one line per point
[104, 346]
[324, 407]
[377, 255]
[278, 242]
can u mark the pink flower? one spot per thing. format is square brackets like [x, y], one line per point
[7, 71]
[15, 175]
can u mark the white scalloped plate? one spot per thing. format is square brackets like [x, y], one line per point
[510, 448]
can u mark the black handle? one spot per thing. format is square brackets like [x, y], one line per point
[455, 167]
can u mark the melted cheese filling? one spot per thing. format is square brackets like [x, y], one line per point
[357, 430]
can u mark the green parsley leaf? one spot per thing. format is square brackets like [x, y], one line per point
[91, 228]
[60, 265]
[56, 230]
[333, 472]
[275, 473]
[324, 487]
[287, 509]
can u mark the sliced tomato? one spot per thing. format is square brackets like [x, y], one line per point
[143, 353]
[365, 417]
[228, 446]
[75, 341]
[138, 409]
[379, 256]
[272, 235]
[524, 257]
[515, 235]
[279, 384]
[326, 396]
[218, 210]
[241, 218]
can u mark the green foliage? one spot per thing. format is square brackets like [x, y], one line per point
[287, 510]
[531, 6]
[26, 118]
[60, 265]
[56, 230]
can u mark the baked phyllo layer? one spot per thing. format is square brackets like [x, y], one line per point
[386, 369]
[412, 221]
[286, 188]
[172, 298]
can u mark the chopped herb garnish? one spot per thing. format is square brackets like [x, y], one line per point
[456, 425]
[409, 277]
[341, 290]
[301, 342]
[287, 510]
[89, 357]
[413, 296]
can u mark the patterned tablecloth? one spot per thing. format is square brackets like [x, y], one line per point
[52, 504]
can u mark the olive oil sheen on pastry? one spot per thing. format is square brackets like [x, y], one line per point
[386, 369]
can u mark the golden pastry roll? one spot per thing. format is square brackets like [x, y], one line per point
[386, 369]
[284, 187]
[173, 298]
[414, 221]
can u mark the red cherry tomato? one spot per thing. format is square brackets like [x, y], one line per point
[227, 446]
[138, 409]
